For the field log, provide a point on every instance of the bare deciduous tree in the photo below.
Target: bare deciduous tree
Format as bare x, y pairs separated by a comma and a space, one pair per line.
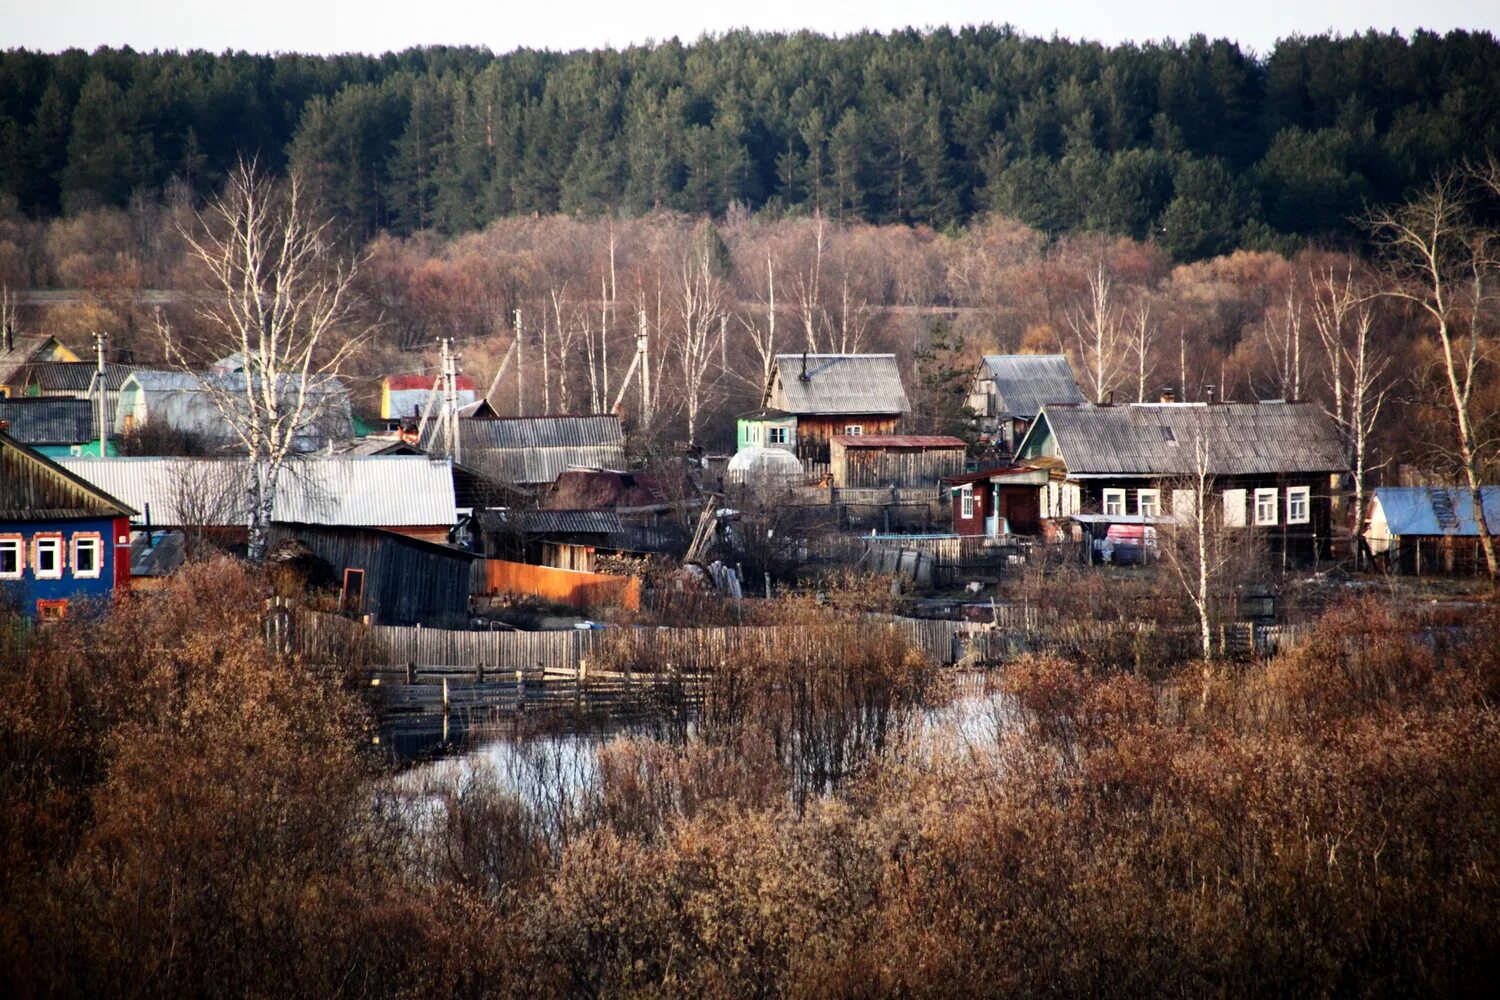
1282, 331
1142, 337
700, 311
1097, 333
278, 291
1441, 259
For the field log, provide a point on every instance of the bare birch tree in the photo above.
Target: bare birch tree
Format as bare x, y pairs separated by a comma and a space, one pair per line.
1356, 374
700, 312
279, 295
1440, 259
1142, 338
807, 296
1282, 331
1201, 549
1097, 332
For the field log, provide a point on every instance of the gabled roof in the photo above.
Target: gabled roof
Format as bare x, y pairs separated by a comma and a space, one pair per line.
24, 349
1437, 510
72, 376
35, 488
1024, 383
533, 450
838, 383
398, 383
365, 491
52, 421
1157, 439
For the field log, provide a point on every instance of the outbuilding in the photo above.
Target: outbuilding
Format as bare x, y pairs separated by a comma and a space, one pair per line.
1429, 529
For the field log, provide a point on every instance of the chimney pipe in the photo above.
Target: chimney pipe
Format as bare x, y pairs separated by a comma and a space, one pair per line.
803, 376
1168, 394
1210, 391
1109, 398
10, 336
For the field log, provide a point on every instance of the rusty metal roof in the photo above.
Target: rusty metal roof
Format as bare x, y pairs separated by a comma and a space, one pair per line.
1158, 439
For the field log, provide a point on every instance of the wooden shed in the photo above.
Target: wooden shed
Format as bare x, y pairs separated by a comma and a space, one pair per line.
902, 460
395, 579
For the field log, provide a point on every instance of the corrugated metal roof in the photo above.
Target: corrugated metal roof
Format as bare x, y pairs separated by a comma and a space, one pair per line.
423, 382
186, 402
33, 487
1157, 439
899, 441
23, 348
533, 450
362, 491
838, 383
551, 522
49, 421
72, 376
1437, 510
1024, 383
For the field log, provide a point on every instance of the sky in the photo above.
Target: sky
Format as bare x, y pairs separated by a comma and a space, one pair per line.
317, 26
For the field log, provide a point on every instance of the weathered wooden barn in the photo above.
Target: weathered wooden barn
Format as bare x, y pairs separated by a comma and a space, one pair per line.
836, 394
995, 502
1009, 390
395, 579
1278, 468
873, 460
61, 538
1429, 529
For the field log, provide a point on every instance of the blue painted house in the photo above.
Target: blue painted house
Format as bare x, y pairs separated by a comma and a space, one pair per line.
62, 540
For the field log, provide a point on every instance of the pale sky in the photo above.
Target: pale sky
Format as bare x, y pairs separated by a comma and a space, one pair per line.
318, 26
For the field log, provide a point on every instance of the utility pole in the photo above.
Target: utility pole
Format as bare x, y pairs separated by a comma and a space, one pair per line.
100, 339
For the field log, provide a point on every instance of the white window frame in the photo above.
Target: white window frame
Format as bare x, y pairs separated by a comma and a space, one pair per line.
1112, 498
16, 544
776, 435
1267, 500
1303, 494
854, 430
1145, 499
966, 501
59, 551
95, 541
1234, 508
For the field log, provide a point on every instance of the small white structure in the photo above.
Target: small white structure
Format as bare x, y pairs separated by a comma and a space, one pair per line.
763, 468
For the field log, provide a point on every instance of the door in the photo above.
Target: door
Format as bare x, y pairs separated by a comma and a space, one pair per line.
352, 600
1024, 510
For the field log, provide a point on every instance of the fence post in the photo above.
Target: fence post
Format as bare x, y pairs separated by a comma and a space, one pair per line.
445, 696
411, 673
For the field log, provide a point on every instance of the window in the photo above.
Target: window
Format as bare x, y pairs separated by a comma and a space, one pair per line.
1114, 501
1148, 502
88, 556
776, 435
854, 430
966, 501
1184, 504
12, 557
51, 611
47, 557
1265, 506
1298, 505
1234, 508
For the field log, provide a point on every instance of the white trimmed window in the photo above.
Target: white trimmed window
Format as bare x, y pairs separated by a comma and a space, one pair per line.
1148, 502
854, 430
88, 556
1114, 502
47, 557
1298, 505
1265, 506
12, 557
1234, 508
966, 501
776, 435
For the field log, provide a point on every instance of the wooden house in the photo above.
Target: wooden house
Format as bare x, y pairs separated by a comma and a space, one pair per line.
55, 427
1009, 390
836, 394
1001, 501
1278, 468
767, 427
188, 403
18, 351
1429, 529
901, 460
62, 539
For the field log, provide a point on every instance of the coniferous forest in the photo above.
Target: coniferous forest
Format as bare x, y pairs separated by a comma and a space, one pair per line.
1202, 146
